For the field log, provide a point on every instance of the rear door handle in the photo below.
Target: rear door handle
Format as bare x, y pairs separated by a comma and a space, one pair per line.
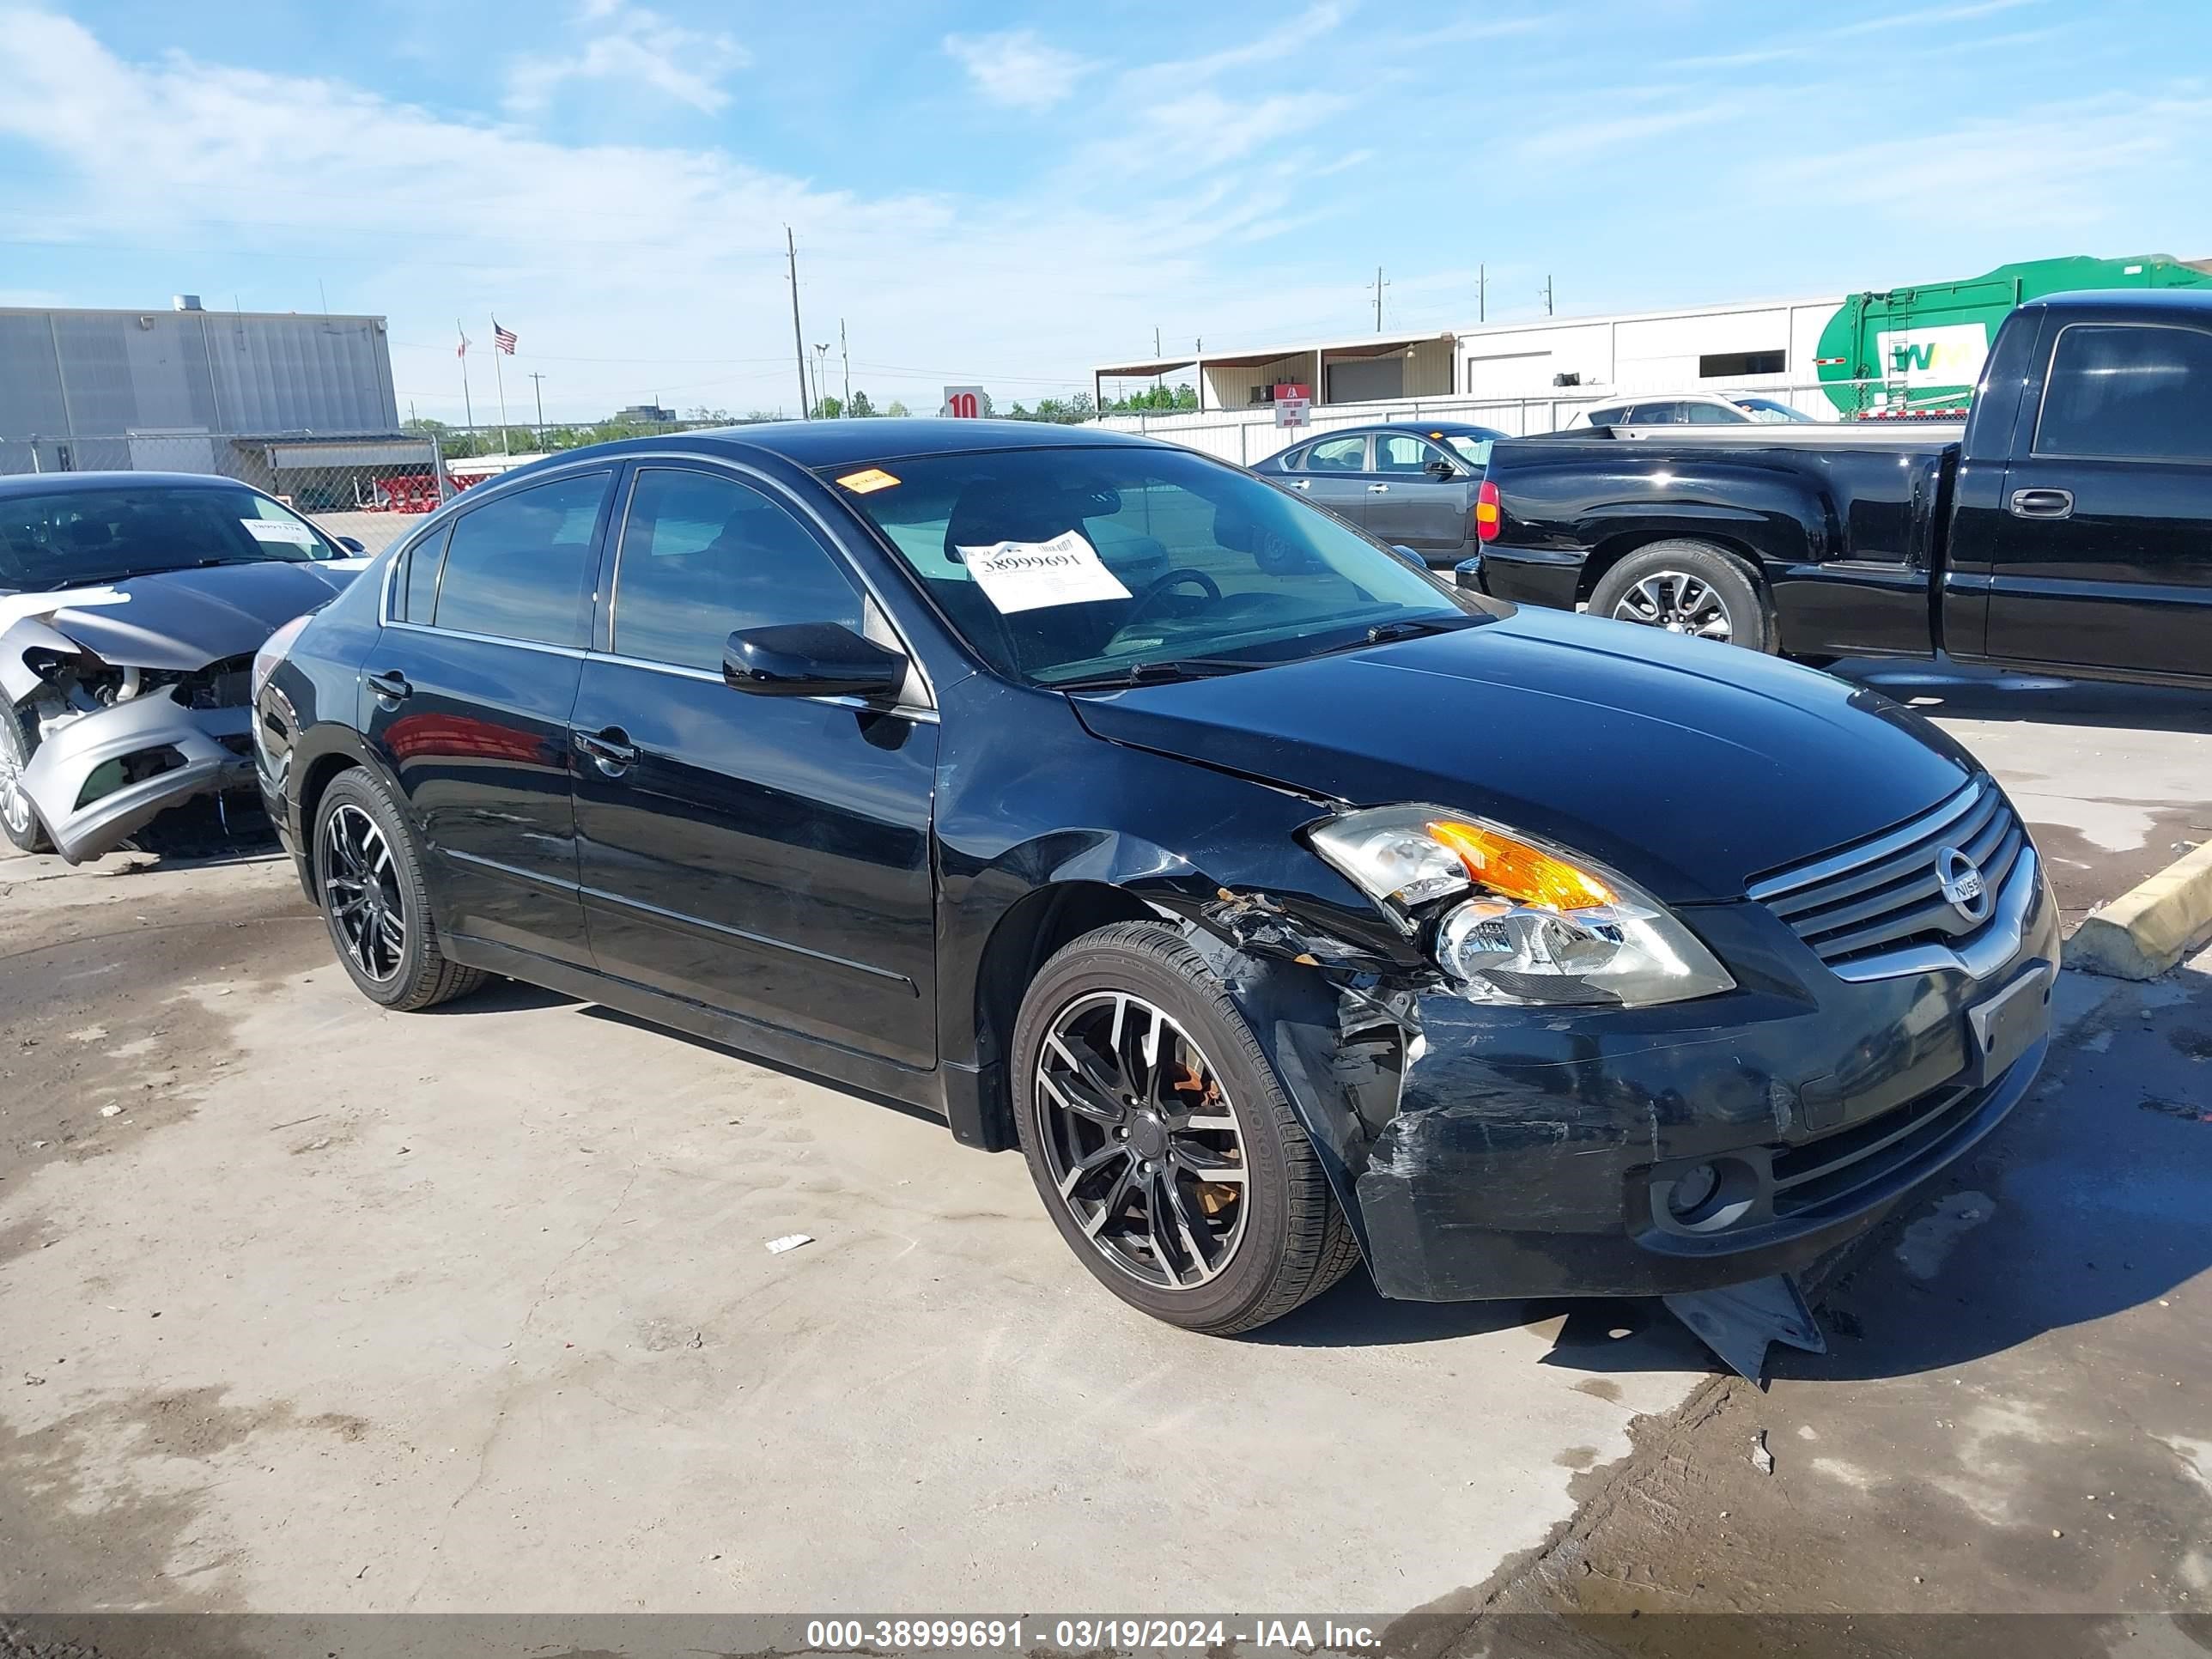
610, 748
1302, 483
391, 686
2043, 503
1378, 489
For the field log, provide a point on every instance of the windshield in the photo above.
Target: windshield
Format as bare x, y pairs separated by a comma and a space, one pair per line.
1067, 565
1767, 410
68, 538
1474, 451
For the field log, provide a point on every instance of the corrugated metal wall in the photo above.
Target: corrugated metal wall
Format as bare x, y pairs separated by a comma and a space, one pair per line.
98, 374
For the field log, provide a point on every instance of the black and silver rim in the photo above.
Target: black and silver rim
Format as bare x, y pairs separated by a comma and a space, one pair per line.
1141, 1141
1678, 602
361, 892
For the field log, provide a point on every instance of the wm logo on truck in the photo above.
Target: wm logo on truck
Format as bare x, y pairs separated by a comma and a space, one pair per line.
1950, 355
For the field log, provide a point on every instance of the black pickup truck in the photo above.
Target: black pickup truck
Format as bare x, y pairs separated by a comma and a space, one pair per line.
2070, 530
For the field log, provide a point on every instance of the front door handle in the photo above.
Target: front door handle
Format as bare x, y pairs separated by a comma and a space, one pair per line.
610, 748
391, 687
2043, 503
1378, 489
1302, 483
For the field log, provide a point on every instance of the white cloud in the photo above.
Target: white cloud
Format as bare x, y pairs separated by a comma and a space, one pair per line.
672, 283
1926, 17
631, 44
1016, 69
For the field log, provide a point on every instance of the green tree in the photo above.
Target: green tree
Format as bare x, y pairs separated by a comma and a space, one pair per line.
897, 410
861, 409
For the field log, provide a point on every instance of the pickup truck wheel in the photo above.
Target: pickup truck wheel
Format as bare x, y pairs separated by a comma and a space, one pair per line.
1688, 587
1163, 1148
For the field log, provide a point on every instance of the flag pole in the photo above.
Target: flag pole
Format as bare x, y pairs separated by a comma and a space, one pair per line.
500, 379
468, 405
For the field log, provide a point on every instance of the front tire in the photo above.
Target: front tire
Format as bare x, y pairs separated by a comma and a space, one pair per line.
18, 819
368, 880
1688, 587
1164, 1148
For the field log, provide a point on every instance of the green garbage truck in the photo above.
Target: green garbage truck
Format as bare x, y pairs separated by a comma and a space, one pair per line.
1916, 353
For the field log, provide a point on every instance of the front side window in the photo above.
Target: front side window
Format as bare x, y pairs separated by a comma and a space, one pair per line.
1063, 567
1715, 415
1337, 455
1768, 411
1668, 414
73, 538
519, 568
1399, 452
2130, 393
703, 555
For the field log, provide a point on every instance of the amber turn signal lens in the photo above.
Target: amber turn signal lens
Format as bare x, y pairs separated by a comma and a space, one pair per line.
1513, 869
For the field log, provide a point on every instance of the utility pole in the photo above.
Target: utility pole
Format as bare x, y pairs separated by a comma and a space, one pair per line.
1482, 293
798, 339
536, 382
1547, 293
845, 354
1379, 286
820, 352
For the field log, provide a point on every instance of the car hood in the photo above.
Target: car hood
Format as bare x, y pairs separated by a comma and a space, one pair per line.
1686, 765
185, 619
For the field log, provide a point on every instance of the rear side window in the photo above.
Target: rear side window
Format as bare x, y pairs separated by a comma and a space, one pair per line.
518, 568
1337, 455
703, 555
1398, 453
2128, 393
421, 592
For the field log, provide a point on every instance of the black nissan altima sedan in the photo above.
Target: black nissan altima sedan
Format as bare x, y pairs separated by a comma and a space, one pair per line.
1285, 907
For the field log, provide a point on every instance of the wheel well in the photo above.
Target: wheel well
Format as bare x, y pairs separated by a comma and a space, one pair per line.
1610, 552
319, 776
1035, 927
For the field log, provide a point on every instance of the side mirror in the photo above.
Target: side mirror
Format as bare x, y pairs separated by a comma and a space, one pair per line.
1442, 470
1410, 556
810, 660
1467, 575
351, 543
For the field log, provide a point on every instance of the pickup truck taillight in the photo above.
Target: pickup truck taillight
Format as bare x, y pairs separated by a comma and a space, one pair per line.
1486, 512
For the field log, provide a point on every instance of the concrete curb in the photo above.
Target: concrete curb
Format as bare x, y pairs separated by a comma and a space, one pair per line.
2152, 925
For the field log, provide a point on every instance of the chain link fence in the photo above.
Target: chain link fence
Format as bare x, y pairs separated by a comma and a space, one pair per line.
1246, 436
371, 488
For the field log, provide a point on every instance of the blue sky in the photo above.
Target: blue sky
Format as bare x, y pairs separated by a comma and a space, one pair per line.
1008, 194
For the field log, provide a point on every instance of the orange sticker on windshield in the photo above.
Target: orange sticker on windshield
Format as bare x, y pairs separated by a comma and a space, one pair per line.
871, 478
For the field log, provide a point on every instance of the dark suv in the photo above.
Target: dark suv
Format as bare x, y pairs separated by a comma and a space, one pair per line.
1283, 905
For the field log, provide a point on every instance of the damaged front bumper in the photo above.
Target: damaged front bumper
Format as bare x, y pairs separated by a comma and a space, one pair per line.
99, 778
1485, 1151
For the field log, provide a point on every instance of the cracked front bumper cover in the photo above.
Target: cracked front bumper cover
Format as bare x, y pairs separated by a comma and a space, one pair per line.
64, 764
1534, 1149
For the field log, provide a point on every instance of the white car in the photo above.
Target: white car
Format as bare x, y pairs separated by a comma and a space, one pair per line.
1690, 409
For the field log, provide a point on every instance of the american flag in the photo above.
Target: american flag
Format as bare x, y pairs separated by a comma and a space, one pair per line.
462, 349
502, 337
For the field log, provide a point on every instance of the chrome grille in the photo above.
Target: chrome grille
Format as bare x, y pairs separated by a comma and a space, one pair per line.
1881, 893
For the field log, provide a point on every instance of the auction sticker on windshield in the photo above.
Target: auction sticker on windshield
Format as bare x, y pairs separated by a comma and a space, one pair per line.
279, 530
1031, 575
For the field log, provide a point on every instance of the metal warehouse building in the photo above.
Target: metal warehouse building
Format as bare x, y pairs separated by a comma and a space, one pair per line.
246, 394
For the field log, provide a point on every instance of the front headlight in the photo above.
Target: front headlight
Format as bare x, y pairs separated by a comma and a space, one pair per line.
1512, 920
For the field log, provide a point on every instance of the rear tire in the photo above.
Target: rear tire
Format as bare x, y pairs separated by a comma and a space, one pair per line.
1227, 1253
369, 881
1688, 587
18, 819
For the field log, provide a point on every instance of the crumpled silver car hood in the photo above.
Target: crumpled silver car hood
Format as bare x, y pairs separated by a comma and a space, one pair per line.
98, 771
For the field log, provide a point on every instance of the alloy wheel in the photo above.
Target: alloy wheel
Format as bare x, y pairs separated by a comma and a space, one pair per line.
1678, 602
1141, 1140
14, 800
361, 892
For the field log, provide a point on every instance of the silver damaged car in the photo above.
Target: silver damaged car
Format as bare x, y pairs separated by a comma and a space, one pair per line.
130, 606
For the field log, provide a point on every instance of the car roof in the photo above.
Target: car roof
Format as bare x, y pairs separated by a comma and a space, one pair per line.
40, 483
1427, 428
2195, 300
817, 444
